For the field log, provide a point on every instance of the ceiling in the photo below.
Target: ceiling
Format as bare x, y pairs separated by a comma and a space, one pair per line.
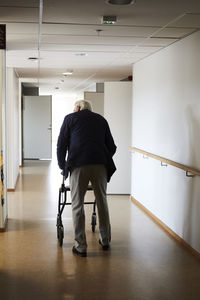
68, 34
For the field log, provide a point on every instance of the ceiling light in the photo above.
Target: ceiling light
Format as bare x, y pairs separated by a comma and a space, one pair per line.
81, 54
33, 58
120, 2
68, 72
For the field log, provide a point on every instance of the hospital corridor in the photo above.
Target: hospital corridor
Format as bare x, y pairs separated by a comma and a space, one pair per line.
106, 91
144, 263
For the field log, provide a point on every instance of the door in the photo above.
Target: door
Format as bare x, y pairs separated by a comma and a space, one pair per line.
37, 131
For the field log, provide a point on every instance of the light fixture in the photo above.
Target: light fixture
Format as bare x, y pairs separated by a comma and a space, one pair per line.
81, 54
33, 58
120, 2
68, 72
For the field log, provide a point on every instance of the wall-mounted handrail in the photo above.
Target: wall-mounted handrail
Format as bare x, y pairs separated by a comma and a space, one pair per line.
167, 161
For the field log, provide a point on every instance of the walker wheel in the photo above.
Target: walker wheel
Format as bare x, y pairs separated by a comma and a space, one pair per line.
57, 225
93, 222
60, 233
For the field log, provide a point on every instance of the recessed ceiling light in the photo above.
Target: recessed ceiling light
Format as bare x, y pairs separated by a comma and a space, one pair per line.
68, 72
120, 2
81, 54
33, 58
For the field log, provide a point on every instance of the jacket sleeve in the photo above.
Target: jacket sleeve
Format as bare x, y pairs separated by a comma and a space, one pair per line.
63, 144
110, 142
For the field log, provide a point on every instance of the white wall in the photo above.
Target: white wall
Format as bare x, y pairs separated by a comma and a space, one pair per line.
1, 88
97, 101
166, 102
61, 106
3, 208
166, 122
117, 111
12, 124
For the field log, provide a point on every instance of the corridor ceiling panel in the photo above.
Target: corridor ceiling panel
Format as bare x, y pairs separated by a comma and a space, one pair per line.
69, 34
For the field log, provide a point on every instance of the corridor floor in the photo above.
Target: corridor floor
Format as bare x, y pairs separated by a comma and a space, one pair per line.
144, 263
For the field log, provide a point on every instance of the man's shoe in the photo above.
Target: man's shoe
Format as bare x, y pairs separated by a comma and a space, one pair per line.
75, 251
104, 247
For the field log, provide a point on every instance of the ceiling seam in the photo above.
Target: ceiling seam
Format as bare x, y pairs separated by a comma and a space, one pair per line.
121, 56
39, 36
35, 7
94, 35
99, 44
80, 24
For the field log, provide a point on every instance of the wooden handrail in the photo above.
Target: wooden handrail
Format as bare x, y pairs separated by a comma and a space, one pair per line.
167, 161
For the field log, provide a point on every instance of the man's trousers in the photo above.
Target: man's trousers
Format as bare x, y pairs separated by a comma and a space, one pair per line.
79, 180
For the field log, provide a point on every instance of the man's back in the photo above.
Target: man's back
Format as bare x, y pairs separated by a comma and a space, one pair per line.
88, 139
86, 126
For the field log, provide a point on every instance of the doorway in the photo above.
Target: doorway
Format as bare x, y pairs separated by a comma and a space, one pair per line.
37, 127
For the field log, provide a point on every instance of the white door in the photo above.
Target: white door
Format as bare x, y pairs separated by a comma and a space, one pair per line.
37, 131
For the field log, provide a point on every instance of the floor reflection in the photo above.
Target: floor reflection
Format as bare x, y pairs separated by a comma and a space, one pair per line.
143, 263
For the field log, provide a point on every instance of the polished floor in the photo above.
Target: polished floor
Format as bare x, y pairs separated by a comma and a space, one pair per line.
144, 263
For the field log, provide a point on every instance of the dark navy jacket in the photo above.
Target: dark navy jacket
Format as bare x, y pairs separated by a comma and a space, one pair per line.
87, 139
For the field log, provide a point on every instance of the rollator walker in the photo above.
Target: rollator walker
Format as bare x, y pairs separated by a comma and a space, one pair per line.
62, 201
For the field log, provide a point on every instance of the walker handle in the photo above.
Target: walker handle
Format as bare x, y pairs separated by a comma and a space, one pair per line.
62, 173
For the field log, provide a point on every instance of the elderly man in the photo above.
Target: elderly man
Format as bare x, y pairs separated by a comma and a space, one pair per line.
87, 139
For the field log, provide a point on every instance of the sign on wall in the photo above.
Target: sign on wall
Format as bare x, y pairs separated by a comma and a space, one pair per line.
2, 36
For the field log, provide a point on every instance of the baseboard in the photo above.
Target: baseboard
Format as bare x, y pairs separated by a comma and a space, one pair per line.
166, 228
12, 190
5, 225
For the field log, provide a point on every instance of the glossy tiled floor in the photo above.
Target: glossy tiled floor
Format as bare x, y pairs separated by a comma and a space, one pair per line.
143, 264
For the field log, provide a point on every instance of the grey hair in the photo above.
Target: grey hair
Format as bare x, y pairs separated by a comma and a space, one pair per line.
83, 104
